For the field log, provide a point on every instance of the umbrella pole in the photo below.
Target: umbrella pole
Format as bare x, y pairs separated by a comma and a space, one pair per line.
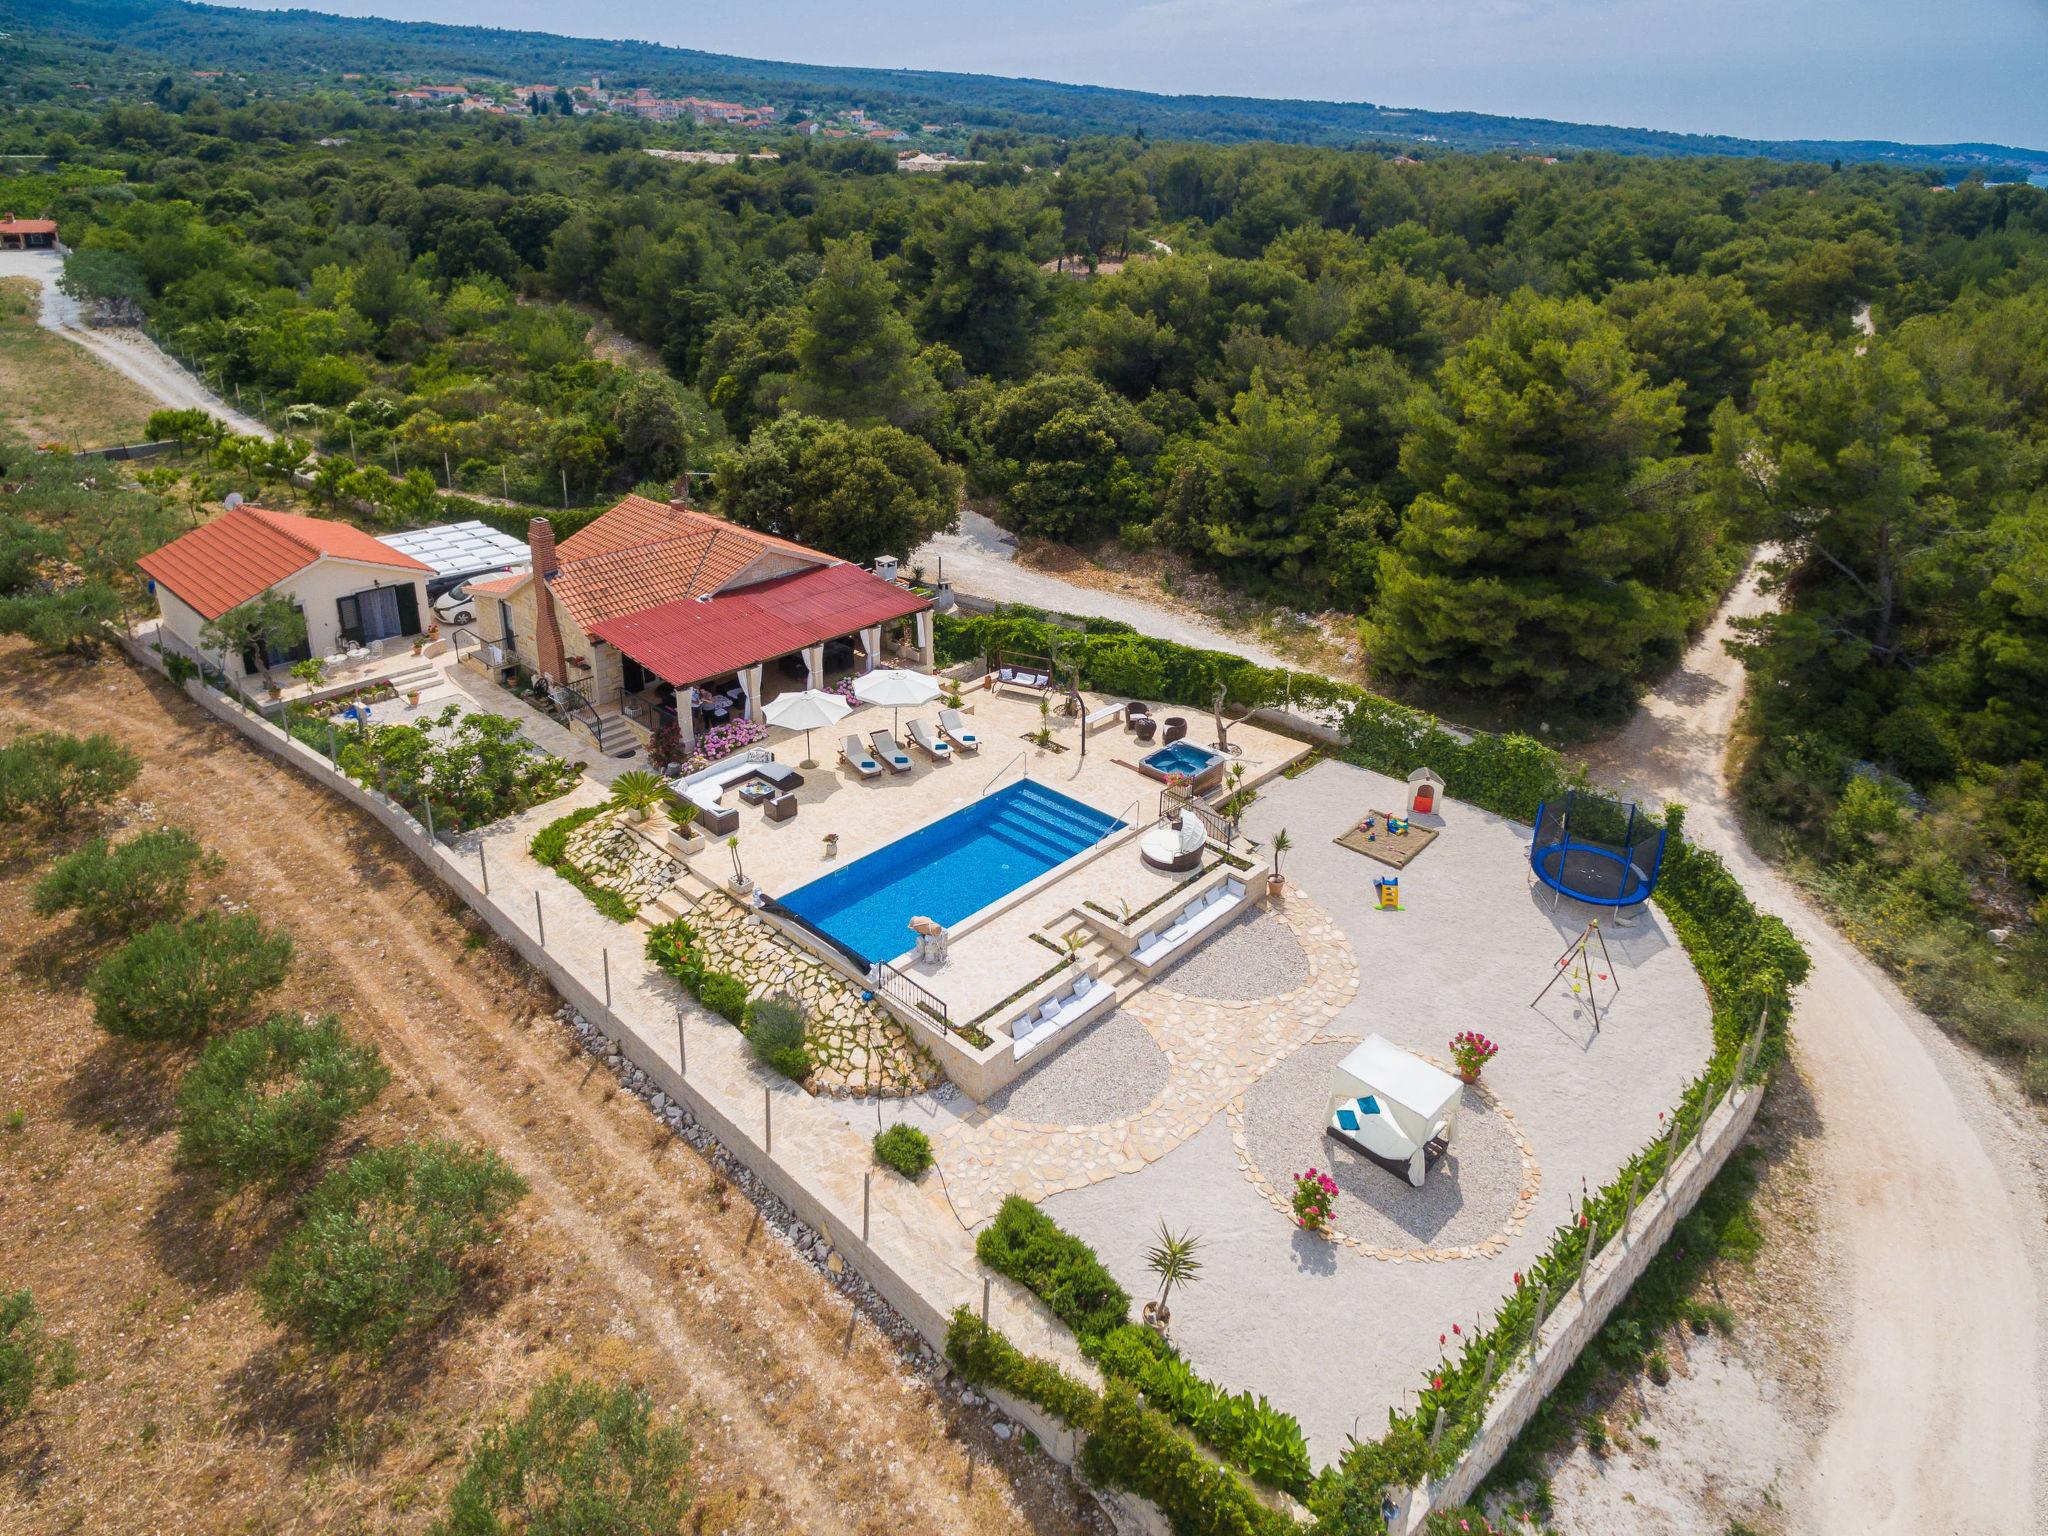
809, 761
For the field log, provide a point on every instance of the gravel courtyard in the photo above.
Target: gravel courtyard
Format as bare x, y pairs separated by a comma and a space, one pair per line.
1338, 1331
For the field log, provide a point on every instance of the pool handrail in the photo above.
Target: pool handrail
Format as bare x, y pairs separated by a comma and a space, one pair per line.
1013, 762
1122, 823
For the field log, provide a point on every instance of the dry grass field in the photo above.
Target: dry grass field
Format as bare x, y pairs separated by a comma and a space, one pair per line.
53, 391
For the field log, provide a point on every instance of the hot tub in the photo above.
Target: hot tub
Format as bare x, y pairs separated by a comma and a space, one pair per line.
1201, 767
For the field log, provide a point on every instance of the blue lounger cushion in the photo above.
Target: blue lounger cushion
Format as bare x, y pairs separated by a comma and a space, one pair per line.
1346, 1120
1347, 1114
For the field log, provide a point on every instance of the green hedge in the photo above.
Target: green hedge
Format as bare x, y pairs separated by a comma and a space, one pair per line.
1134, 1447
1510, 775
987, 1359
725, 995
1128, 1445
1056, 1267
550, 846
1064, 1272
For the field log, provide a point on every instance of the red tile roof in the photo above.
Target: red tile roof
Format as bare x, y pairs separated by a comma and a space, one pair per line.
688, 641
498, 586
642, 554
249, 549
13, 226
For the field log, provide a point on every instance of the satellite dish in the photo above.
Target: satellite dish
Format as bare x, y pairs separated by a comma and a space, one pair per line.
232, 500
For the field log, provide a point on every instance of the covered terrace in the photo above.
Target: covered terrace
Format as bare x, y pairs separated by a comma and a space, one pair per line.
702, 661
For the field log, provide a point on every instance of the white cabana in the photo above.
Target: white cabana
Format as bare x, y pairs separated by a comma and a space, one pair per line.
1392, 1104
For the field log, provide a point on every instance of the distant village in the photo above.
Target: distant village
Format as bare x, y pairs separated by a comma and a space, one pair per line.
642, 102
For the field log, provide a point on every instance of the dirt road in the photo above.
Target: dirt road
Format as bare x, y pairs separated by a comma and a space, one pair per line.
128, 352
1933, 1181
981, 561
805, 1416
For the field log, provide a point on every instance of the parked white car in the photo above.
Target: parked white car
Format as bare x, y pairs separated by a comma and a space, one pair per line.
456, 606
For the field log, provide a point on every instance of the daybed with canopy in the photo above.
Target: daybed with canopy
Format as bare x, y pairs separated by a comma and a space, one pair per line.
1391, 1105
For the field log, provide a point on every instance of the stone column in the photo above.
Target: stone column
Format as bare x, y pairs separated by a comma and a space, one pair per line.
750, 684
814, 665
871, 642
686, 718
925, 650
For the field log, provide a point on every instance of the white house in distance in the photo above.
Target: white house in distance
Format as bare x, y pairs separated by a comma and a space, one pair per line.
350, 586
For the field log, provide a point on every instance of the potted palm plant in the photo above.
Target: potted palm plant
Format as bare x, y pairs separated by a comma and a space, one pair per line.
683, 835
1280, 844
741, 882
639, 792
1173, 1260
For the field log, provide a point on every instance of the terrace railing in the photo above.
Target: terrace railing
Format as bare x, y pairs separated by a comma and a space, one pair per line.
905, 992
1222, 828
1123, 823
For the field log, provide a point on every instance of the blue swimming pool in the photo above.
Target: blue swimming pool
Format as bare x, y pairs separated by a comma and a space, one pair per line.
950, 869
1182, 757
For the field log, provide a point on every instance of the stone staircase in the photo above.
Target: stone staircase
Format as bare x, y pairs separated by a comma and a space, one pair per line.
615, 738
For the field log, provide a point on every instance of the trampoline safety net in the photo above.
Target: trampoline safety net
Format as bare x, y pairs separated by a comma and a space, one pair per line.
1597, 850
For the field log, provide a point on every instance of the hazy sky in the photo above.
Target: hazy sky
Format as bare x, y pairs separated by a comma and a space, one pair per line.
1922, 70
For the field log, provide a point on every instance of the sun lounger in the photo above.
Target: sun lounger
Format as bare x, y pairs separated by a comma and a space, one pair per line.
893, 757
921, 735
954, 724
858, 758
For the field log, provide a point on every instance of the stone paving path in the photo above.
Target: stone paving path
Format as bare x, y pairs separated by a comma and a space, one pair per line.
860, 1049
1214, 1048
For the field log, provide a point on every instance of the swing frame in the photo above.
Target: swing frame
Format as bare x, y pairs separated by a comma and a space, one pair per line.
1576, 952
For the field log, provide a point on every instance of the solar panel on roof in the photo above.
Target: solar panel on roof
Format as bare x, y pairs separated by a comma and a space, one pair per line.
454, 548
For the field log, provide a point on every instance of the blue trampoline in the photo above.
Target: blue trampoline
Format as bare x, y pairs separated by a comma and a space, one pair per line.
1597, 850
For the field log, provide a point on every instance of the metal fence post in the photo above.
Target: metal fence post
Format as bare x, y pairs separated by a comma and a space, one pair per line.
867, 1190
1542, 1312
985, 1284
682, 1045
428, 806
606, 954
1628, 1211
540, 927
1436, 1431
484, 868
768, 1121
380, 779
1586, 1255
1671, 1143
333, 752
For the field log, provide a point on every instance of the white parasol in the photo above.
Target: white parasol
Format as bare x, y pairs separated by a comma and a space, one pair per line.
895, 688
810, 710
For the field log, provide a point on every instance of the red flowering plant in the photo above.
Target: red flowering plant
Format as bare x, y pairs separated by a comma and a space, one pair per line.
1472, 1051
1315, 1200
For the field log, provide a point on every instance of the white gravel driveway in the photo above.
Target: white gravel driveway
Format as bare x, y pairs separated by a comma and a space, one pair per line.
128, 352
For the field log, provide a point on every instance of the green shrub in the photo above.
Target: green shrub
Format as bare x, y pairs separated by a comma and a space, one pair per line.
1135, 1448
263, 1104
120, 888
58, 778
775, 1029
1242, 1428
29, 1358
725, 995
987, 1359
904, 1148
673, 947
580, 1459
384, 1242
475, 768
1059, 1269
179, 980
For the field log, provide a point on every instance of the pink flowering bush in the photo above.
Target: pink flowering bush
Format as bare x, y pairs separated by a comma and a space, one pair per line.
1315, 1200
1472, 1051
733, 736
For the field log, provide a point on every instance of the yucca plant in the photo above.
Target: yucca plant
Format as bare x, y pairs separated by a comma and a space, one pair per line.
1173, 1260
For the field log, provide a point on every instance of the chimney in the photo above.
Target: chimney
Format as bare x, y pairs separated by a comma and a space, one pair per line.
547, 638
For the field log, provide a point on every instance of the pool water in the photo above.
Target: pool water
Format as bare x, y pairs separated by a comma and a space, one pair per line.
1182, 757
949, 870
